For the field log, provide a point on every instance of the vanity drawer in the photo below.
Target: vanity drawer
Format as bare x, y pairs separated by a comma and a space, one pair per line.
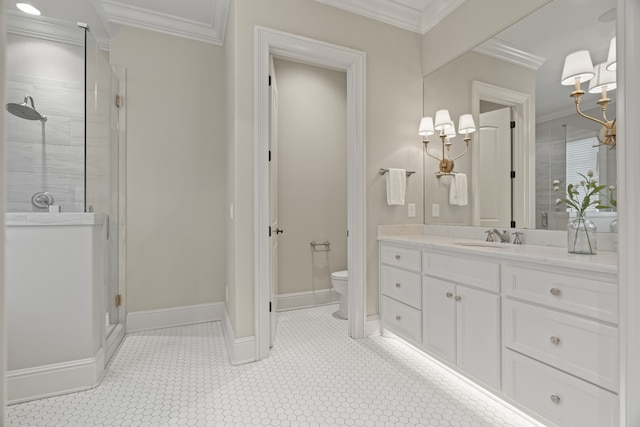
469, 271
406, 258
402, 319
401, 285
582, 347
578, 295
561, 398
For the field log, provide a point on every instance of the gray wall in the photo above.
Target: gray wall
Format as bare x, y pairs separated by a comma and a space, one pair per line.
175, 169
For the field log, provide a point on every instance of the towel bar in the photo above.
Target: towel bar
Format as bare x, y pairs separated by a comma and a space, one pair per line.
326, 246
383, 171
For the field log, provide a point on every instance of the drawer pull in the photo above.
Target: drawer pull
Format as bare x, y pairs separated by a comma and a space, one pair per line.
555, 291
398, 317
457, 298
555, 399
398, 257
449, 294
397, 285
554, 340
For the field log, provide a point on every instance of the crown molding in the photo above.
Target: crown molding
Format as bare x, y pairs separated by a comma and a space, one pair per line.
208, 32
49, 29
395, 14
510, 53
436, 12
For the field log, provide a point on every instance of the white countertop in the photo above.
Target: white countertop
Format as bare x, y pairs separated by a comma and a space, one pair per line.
603, 262
16, 219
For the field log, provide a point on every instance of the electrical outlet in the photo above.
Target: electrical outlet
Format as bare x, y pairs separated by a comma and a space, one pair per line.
412, 210
435, 210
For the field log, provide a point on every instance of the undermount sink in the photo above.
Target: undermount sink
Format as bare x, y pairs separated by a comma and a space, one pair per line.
494, 245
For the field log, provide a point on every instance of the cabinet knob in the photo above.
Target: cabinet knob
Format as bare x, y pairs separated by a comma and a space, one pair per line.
397, 256
554, 340
397, 285
398, 317
555, 399
555, 291
457, 298
449, 294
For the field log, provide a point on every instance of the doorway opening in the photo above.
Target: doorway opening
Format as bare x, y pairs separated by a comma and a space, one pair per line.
269, 42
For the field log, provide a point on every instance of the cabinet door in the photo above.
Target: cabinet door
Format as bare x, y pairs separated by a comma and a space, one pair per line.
439, 318
478, 337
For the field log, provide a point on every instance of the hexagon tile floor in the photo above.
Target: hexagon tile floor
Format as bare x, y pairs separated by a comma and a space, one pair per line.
316, 375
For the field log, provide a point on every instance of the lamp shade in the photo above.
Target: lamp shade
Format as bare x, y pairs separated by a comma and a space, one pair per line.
426, 126
612, 64
450, 131
466, 124
443, 120
577, 65
604, 79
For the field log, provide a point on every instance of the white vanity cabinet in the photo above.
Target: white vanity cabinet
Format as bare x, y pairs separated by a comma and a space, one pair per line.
561, 343
400, 292
533, 324
461, 318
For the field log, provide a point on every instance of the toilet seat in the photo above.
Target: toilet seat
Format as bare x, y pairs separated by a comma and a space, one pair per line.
340, 275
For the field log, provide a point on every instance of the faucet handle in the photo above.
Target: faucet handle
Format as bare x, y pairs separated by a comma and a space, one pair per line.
489, 235
516, 239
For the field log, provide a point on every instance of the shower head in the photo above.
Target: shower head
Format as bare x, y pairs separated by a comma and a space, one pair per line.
25, 111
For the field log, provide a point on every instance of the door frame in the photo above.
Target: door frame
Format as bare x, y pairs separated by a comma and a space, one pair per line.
314, 52
524, 151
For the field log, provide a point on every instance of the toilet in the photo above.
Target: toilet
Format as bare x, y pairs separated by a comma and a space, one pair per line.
339, 282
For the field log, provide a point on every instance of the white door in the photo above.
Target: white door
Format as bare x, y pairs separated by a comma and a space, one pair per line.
273, 199
439, 318
478, 339
494, 169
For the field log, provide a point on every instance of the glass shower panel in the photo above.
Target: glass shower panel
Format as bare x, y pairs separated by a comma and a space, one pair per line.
550, 165
102, 169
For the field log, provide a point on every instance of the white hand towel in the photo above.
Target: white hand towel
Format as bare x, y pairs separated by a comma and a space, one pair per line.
396, 186
458, 191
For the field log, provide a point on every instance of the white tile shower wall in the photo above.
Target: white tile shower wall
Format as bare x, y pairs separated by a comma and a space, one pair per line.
50, 156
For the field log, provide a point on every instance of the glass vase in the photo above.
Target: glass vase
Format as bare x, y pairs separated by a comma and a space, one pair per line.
581, 236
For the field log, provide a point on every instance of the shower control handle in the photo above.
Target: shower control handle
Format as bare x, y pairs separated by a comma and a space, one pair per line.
398, 285
279, 231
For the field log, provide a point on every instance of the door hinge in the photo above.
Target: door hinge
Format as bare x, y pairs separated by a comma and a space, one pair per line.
513, 125
513, 174
269, 80
269, 231
269, 306
269, 155
118, 101
513, 224
118, 300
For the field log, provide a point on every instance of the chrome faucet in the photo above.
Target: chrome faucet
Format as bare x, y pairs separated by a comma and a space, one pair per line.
504, 236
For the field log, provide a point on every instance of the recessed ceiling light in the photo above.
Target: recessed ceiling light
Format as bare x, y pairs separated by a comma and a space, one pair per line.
27, 8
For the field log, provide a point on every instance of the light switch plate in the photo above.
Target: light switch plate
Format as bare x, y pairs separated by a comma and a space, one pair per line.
412, 210
435, 210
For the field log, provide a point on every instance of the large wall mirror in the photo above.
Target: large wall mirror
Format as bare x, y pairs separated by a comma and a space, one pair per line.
512, 80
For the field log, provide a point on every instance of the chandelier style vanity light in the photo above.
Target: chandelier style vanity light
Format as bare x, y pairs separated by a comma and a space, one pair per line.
444, 125
578, 68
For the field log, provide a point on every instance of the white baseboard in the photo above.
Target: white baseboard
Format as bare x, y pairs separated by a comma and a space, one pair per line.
306, 299
52, 380
177, 316
372, 326
241, 350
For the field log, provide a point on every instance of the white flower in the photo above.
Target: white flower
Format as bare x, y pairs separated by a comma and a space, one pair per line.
590, 173
558, 201
556, 188
612, 188
556, 182
583, 182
